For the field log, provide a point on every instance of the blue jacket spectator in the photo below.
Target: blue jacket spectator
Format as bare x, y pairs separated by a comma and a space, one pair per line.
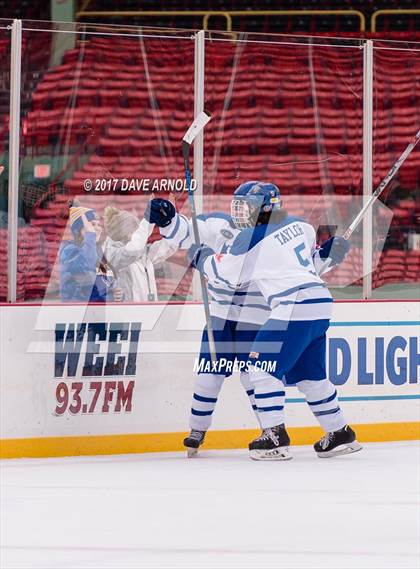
83, 277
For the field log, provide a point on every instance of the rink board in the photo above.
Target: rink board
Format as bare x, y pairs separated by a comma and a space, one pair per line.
118, 379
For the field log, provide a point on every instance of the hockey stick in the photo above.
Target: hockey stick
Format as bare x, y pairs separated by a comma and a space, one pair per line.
381, 187
197, 126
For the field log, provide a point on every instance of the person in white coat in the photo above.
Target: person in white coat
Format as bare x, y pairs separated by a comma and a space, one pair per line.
131, 257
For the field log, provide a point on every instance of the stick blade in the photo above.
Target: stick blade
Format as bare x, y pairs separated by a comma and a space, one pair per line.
197, 126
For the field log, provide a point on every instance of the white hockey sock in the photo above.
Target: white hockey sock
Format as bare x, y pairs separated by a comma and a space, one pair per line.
269, 398
247, 385
322, 399
206, 390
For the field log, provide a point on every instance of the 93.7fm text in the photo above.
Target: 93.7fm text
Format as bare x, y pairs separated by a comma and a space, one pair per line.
100, 396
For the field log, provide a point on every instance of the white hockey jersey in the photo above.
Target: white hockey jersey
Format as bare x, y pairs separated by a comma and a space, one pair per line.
282, 262
240, 304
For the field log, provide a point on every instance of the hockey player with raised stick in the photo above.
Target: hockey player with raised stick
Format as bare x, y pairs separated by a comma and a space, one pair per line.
276, 254
236, 317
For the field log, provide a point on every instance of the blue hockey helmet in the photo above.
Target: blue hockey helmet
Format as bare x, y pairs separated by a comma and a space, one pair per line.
251, 199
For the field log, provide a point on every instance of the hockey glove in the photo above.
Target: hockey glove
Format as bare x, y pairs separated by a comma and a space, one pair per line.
197, 254
160, 212
335, 249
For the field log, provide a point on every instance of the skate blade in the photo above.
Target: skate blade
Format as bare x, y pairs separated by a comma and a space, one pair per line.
192, 452
281, 453
341, 450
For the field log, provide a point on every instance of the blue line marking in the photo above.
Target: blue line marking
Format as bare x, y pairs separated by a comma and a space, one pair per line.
362, 398
384, 323
378, 397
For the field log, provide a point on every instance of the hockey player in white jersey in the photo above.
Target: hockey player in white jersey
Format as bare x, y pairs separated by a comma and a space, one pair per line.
237, 316
277, 254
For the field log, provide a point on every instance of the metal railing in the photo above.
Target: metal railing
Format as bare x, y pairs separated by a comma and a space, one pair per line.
228, 15
379, 13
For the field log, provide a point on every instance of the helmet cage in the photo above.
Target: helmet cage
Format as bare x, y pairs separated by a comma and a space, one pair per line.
245, 210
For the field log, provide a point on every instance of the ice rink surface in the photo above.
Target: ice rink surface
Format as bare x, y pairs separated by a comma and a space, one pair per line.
221, 510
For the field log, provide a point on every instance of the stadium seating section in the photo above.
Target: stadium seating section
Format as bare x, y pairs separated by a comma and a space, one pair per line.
37, 10
108, 111
266, 24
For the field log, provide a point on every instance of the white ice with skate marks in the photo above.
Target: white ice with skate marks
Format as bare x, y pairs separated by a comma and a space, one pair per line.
219, 510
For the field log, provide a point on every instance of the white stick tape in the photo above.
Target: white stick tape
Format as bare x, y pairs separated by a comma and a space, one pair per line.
197, 126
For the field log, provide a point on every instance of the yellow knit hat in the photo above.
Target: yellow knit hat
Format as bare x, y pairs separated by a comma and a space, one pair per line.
76, 213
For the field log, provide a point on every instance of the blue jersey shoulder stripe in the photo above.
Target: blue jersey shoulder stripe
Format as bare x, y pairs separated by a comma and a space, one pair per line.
175, 229
248, 238
184, 238
217, 215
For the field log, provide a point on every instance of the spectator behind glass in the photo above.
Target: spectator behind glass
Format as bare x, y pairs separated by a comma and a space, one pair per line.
131, 256
84, 275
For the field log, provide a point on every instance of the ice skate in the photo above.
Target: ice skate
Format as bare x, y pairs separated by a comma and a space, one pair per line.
337, 443
194, 440
272, 444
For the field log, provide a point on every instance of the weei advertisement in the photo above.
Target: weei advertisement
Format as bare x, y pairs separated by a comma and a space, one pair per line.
84, 373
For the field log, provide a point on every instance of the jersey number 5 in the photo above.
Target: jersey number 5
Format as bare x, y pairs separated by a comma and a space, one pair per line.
304, 262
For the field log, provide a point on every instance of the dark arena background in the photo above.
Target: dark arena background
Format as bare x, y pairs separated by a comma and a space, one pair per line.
100, 336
